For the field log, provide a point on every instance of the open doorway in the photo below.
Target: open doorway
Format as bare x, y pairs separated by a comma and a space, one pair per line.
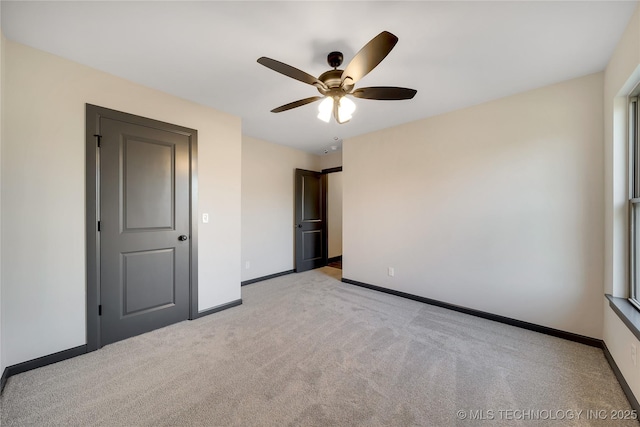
334, 217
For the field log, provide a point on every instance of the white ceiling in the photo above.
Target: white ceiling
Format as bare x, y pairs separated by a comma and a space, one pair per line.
456, 54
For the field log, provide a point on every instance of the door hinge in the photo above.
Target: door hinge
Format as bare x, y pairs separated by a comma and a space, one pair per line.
98, 138
100, 310
98, 225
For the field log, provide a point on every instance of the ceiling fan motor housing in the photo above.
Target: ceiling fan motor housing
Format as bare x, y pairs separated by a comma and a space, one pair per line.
333, 80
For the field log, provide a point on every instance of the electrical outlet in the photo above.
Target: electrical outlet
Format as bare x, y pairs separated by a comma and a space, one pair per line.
247, 265
392, 271
634, 354
205, 218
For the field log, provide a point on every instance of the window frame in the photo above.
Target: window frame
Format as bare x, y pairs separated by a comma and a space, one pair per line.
634, 196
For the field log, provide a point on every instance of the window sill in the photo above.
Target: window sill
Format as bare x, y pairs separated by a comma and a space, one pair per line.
627, 313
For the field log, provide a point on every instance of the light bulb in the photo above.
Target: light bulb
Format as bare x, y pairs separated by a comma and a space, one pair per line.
325, 108
346, 107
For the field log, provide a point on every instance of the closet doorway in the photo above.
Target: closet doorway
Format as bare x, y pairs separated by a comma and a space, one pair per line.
334, 216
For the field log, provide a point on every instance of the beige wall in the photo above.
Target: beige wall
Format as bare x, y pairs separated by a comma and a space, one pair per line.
497, 207
268, 205
331, 160
43, 202
621, 75
2, 348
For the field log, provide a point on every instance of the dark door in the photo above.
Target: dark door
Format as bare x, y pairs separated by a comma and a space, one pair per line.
310, 226
144, 229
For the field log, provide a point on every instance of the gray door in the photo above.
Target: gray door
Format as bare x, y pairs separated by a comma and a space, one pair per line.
144, 229
310, 250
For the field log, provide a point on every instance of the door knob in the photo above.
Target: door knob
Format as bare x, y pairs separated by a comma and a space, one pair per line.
299, 225
183, 238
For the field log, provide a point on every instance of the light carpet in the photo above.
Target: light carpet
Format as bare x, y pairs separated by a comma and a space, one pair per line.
307, 350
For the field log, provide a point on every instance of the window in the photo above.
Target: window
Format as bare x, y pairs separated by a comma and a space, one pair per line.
634, 199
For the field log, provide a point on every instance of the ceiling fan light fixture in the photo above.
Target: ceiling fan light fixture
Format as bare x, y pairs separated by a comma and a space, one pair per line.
325, 109
346, 108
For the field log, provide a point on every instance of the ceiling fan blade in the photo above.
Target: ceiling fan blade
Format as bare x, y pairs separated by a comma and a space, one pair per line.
290, 71
387, 93
369, 56
295, 104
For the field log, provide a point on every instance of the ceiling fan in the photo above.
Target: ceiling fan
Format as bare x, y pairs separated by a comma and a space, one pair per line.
335, 85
